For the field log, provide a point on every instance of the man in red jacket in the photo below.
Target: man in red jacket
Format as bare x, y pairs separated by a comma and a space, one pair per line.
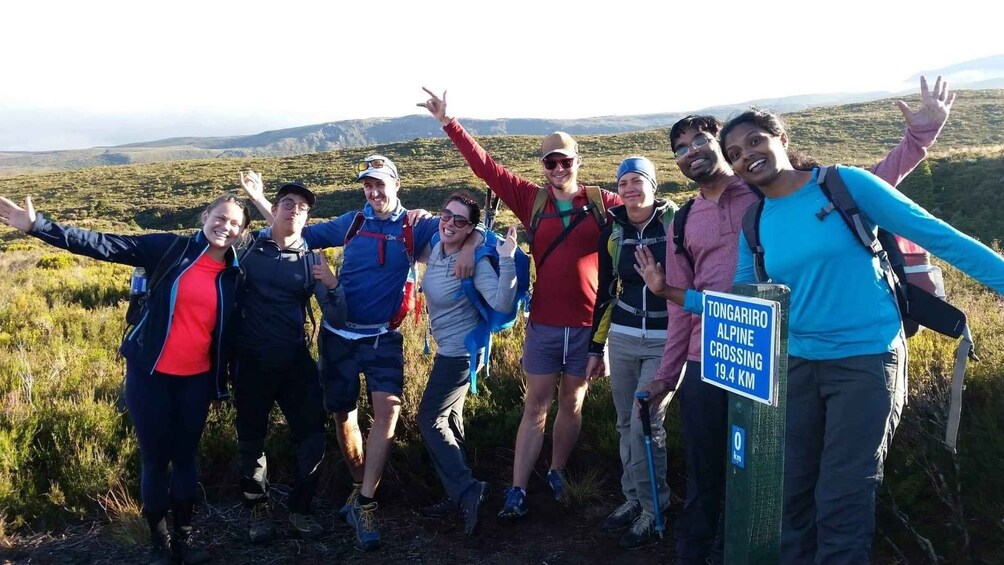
563, 241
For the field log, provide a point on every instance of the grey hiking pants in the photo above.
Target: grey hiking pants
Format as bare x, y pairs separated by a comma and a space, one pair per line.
633, 363
841, 416
441, 421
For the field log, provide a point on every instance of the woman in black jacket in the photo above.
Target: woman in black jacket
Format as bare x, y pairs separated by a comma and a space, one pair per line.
174, 354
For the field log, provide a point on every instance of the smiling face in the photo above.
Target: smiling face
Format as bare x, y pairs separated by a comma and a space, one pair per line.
703, 158
756, 155
223, 224
562, 177
452, 235
635, 190
381, 194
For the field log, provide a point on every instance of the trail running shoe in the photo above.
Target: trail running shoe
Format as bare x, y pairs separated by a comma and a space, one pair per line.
472, 507
363, 518
640, 534
557, 479
305, 525
623, 516
441, 509
515, 504
344, 510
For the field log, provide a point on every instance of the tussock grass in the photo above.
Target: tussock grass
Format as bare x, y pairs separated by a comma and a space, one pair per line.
126, 523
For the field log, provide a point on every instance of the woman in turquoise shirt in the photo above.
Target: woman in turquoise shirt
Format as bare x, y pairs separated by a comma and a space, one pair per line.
847, 355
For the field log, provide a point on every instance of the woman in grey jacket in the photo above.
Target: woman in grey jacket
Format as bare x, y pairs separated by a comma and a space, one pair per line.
451, 317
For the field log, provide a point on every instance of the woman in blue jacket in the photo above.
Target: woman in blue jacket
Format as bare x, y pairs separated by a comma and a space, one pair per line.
847, 355
174, 354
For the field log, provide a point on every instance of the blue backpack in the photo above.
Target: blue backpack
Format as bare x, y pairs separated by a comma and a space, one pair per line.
480, 338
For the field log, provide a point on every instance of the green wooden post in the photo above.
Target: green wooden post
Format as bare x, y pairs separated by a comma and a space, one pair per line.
753, 494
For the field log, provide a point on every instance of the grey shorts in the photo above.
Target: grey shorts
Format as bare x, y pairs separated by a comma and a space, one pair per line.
552, 349
380, 358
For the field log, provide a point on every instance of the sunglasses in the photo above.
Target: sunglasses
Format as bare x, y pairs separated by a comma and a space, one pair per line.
458, 220
289, 204
371, 164
566, 163
699, 141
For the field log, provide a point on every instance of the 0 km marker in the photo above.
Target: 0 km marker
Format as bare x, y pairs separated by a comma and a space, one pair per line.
739, 345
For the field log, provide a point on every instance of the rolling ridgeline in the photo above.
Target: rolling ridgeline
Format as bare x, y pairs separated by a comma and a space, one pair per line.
64, 444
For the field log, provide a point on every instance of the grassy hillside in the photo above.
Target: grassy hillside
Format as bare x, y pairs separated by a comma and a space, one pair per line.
63, 443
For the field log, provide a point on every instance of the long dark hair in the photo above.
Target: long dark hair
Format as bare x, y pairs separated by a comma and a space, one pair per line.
771, 123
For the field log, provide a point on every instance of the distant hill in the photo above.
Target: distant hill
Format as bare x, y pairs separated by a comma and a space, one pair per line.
987, 73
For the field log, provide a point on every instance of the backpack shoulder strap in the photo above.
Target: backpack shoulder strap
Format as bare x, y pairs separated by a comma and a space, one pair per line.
594, 195
408, 235
843, 203
170, 258
751, 231
679, 230
357, 222
539, 201
614, 244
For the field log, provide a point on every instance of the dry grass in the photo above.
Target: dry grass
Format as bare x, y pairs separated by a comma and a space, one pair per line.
126, 523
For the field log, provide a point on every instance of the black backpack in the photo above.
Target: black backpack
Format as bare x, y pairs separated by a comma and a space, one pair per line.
917, 307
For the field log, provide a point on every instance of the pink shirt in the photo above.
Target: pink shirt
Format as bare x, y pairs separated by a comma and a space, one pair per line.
711, 236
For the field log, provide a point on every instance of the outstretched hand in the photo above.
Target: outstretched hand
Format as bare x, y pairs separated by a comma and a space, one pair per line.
507, 247
252, 184
935, 105
16, 216
436, 106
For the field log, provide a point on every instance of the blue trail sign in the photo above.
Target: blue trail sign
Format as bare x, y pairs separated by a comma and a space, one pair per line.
739, 345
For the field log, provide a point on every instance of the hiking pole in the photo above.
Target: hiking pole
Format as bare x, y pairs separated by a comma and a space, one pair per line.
646, 427
491, 208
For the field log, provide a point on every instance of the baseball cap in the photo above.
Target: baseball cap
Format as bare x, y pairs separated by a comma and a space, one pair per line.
296, 187
640, 165
559, 142
378, 167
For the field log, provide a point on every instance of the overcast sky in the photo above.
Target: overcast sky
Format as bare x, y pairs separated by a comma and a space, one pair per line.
80, 74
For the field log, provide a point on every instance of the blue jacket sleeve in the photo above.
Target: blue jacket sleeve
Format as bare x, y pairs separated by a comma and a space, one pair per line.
136, 250
892, 210
330, 233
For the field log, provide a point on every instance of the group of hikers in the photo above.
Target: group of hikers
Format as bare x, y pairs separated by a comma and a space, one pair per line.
610, 275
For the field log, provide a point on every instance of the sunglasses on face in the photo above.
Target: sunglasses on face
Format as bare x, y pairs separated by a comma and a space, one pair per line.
697, 143
289, 204
566, 163
458, 221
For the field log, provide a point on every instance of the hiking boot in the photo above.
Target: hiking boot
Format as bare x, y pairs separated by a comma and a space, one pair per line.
623, 516
640, 534
515, 504
185, 549
261, 527
441, 509
472, 506
344, 510
305, 525
363, 519
557, 479
159, 552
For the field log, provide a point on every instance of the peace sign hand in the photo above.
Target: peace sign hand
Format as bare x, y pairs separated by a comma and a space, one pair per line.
436, 106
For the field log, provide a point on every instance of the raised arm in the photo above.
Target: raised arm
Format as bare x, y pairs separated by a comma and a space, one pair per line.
255, 189
922, 128
141, 251
499, 289
517, 193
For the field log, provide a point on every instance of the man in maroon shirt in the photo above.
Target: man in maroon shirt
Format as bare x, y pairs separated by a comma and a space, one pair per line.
564, 248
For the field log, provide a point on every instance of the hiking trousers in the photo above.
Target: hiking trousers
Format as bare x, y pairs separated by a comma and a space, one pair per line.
704, 418
441, 421
841, 416
169, 414
295, 386
633, 363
